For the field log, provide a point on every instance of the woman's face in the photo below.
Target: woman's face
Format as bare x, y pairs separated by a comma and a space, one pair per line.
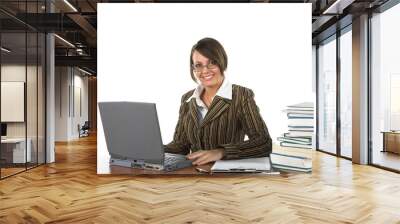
209, 75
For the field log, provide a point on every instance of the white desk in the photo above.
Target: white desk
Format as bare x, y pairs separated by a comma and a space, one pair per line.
18, 149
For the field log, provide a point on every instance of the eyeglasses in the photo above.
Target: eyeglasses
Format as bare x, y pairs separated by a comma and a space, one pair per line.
199, 67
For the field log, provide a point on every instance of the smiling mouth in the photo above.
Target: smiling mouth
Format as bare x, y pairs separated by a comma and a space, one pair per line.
207, 77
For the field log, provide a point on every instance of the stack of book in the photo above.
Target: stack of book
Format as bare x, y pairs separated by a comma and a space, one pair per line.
290, 162
300, 126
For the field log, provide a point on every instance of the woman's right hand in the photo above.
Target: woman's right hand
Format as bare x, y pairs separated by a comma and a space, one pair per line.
202, 157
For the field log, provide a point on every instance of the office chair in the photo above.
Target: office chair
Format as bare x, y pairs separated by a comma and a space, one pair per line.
84, 130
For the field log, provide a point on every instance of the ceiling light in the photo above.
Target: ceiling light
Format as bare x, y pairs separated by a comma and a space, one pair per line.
338, 6
5, 50
65, 41
70, 5
84, 71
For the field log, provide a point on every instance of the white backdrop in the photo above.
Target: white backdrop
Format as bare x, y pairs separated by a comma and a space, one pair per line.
144, 49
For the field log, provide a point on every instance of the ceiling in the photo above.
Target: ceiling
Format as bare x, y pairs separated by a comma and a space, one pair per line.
76, 22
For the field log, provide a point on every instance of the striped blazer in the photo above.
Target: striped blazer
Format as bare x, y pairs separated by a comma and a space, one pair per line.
224, 127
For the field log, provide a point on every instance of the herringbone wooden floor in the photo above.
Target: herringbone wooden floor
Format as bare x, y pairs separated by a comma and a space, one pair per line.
69, 191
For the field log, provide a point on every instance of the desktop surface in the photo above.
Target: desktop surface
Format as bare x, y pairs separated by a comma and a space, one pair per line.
188, 171
104, 167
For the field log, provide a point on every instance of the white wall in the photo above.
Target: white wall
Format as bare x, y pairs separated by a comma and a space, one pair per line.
61, 103
80, 84
68, 83
15, 72
267, 52
149, 62
33, 127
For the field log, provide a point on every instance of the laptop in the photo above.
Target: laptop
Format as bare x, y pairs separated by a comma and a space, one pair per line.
133, 137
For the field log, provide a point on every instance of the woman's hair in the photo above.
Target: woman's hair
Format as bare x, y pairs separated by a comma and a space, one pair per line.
211, 49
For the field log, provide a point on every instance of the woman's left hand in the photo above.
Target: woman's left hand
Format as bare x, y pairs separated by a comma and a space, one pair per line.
205, 156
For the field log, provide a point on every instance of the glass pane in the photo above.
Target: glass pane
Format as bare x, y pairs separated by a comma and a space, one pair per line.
13, 86
386, 89
41, 98
346, 94
31, 101
327, 96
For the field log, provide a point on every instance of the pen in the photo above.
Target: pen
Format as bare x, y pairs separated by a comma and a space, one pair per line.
244, 170
202, 170
272, 173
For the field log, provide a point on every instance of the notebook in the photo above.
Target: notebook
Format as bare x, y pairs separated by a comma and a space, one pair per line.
242, 165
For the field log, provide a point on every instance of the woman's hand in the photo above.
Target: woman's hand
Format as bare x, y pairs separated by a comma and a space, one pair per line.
205, 156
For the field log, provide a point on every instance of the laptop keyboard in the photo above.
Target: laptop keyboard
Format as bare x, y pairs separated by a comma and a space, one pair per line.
175, 161
171, 159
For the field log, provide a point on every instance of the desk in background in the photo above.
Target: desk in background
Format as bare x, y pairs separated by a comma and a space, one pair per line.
13, 150
391, 141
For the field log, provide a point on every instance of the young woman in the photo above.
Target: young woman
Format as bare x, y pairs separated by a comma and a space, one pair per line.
215, 117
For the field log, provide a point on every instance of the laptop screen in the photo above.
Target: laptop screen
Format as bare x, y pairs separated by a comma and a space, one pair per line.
132, 131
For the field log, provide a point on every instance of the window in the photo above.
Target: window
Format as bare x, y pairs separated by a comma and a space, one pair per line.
385, 86
327, 95
346, 93
22, 66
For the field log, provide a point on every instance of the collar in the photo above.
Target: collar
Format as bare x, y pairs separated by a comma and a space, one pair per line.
224, 91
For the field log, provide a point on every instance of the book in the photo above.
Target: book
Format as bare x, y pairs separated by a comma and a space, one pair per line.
300, 115
296, 145
300, 122
305, 129
289, 162
299, 111
309, 134
308, 105
295, 140
279, 167
300, 126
